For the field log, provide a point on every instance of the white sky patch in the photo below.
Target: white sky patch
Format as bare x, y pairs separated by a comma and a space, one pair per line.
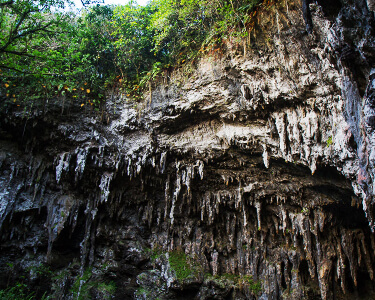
78, 3
122, 2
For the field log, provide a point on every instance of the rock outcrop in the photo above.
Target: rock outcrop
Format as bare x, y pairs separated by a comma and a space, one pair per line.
249, 177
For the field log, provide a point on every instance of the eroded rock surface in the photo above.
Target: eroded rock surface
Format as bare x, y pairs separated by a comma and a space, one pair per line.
250, 177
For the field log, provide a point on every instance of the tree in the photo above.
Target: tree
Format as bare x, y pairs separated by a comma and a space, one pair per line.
41, 52
133, 39
94, 31
25, 28
46, 52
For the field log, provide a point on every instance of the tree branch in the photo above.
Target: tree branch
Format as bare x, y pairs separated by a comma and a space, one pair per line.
23, 34
18, 53
25, 72
6, 3
10, 68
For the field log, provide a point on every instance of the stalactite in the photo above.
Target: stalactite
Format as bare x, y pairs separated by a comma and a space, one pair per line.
239, 199
62, 165
266, 159
104, 186
163, 160
80, 163
166, 196
176, 192
258, 206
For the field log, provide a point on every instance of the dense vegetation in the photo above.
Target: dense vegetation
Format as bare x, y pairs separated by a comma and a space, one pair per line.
48, 52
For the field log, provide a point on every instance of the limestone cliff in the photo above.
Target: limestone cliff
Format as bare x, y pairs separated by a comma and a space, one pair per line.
250, 176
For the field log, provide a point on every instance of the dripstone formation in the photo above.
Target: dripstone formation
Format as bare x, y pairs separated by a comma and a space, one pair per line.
250, 176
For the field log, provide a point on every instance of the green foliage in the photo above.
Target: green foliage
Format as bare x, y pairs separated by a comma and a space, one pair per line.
22, 288
180, 264
23, 25
239, 281
40, 270
17, 292
143, 292
329, 141
188, 25
155, 253
133, 39
254, 286
32, 37
106, 290
184, 266
43, 60
84, 284
47, 53
81, 286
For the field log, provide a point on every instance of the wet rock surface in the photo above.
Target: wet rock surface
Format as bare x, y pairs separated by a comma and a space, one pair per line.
249, 178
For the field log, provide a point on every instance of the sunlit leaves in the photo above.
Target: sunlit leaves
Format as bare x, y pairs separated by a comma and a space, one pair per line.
48, 53
133, 38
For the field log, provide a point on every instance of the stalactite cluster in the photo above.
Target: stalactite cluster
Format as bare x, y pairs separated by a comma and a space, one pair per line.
251, 178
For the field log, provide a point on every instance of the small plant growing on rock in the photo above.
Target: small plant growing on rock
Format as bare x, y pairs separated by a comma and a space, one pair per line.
81, 287
142, 293
106, 289
180, 264
155, 253
85, 285
16, 292
241, 282
329, 141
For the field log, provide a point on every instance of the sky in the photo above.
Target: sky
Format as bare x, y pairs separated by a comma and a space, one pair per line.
140, 2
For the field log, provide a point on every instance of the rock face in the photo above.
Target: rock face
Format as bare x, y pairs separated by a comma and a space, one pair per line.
250, 177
